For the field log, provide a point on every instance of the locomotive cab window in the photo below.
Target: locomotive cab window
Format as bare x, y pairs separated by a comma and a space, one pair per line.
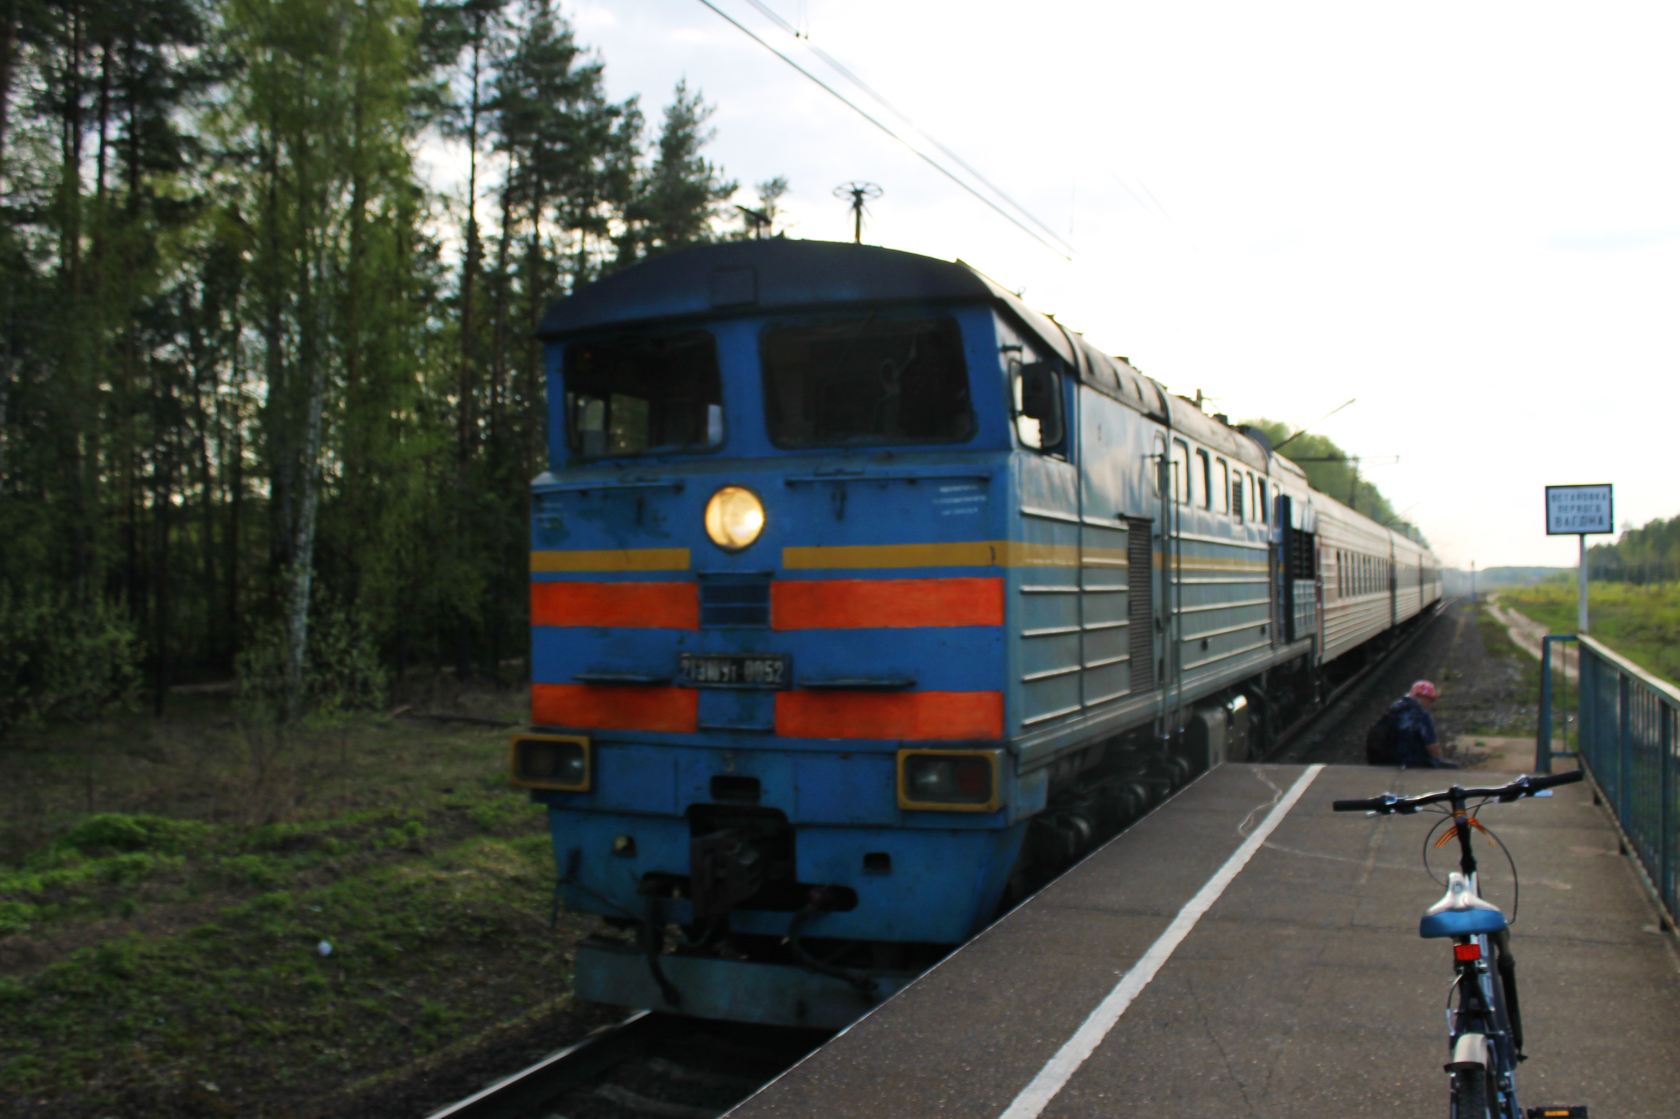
866, 381
643, 395
1036, 396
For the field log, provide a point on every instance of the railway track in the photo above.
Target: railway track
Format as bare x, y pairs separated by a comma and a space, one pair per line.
650, 1066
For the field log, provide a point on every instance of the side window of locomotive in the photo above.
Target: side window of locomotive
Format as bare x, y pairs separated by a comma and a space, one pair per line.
864, 381
1181, 472
1159, 467
1222, 488
643, 395
1261, 505
1036, 398
1203, 475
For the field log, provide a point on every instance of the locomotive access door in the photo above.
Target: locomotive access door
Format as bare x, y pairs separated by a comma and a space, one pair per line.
1117, 608
1105, 574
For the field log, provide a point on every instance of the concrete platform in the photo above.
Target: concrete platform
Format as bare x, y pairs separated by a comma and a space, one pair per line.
1492, 755
1303, 990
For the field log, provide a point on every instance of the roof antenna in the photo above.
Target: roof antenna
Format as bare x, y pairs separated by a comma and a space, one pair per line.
757, 220
858, 193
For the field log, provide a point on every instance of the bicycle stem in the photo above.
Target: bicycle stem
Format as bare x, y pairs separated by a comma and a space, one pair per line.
1461, 822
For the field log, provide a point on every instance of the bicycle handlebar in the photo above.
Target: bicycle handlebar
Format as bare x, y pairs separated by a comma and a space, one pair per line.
1388, 803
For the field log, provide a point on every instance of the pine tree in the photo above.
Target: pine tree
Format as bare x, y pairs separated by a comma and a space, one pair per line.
683, 193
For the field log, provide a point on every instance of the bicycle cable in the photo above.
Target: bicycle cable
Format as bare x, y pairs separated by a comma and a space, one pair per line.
1448, 817
1516, 884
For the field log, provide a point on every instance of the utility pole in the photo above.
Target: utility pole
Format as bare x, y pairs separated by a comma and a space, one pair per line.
857, 193
1581, 605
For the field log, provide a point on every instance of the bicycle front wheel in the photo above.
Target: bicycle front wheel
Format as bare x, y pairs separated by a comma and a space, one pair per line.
1470, 1095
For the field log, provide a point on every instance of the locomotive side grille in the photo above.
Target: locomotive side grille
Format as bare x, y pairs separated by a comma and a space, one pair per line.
734, 602
1140, 580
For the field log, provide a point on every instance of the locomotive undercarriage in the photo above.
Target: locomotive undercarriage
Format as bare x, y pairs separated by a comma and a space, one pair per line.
742, 855
742, 858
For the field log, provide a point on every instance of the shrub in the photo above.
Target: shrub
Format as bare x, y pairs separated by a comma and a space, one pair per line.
342, 674
119, 831
57, 654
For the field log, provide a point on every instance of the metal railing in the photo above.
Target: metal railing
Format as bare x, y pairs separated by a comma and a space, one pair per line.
1626, 730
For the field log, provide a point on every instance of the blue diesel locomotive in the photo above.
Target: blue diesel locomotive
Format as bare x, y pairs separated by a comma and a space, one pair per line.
865, 599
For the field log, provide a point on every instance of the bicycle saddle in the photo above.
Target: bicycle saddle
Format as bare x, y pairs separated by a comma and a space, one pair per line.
1461, 912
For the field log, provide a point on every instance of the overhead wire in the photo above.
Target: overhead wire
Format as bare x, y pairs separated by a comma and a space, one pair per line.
841, 69
923, 156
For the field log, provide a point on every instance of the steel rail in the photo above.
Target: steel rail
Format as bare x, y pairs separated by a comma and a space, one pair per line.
528, 1089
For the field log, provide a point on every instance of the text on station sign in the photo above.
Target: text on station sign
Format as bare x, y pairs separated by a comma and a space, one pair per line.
1579, 510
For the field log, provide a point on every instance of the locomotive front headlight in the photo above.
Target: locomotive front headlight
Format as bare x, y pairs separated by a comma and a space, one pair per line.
963, 781
734, 518
549, 761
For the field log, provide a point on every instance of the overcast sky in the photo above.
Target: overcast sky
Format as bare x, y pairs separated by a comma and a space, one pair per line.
1464, 215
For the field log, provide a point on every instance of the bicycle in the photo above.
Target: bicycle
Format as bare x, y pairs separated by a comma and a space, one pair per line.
1485, 1034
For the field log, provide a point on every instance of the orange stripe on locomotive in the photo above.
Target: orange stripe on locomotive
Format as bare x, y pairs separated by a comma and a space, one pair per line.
885, 603
611, 707
639, 605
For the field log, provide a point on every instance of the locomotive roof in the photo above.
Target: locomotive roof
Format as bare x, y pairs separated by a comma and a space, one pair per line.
778, 273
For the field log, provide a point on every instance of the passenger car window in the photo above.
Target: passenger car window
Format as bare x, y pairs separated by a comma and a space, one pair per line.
866, 381
641, 395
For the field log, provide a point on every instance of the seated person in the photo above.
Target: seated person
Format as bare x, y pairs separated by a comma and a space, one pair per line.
1414, 733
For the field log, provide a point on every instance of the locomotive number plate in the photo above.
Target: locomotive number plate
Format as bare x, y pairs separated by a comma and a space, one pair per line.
729, 670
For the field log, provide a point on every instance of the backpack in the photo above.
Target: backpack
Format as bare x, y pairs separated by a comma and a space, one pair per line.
1381, 739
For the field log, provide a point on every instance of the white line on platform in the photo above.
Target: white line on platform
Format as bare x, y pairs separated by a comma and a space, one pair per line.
1053, 1077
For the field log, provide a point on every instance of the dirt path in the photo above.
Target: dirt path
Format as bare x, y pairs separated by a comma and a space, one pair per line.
1526, 634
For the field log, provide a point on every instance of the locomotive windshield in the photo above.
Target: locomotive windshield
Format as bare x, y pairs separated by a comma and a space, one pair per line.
866, 380
634, 396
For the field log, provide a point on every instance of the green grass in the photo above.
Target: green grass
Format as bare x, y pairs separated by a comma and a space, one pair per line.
1642, 623
297, 925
